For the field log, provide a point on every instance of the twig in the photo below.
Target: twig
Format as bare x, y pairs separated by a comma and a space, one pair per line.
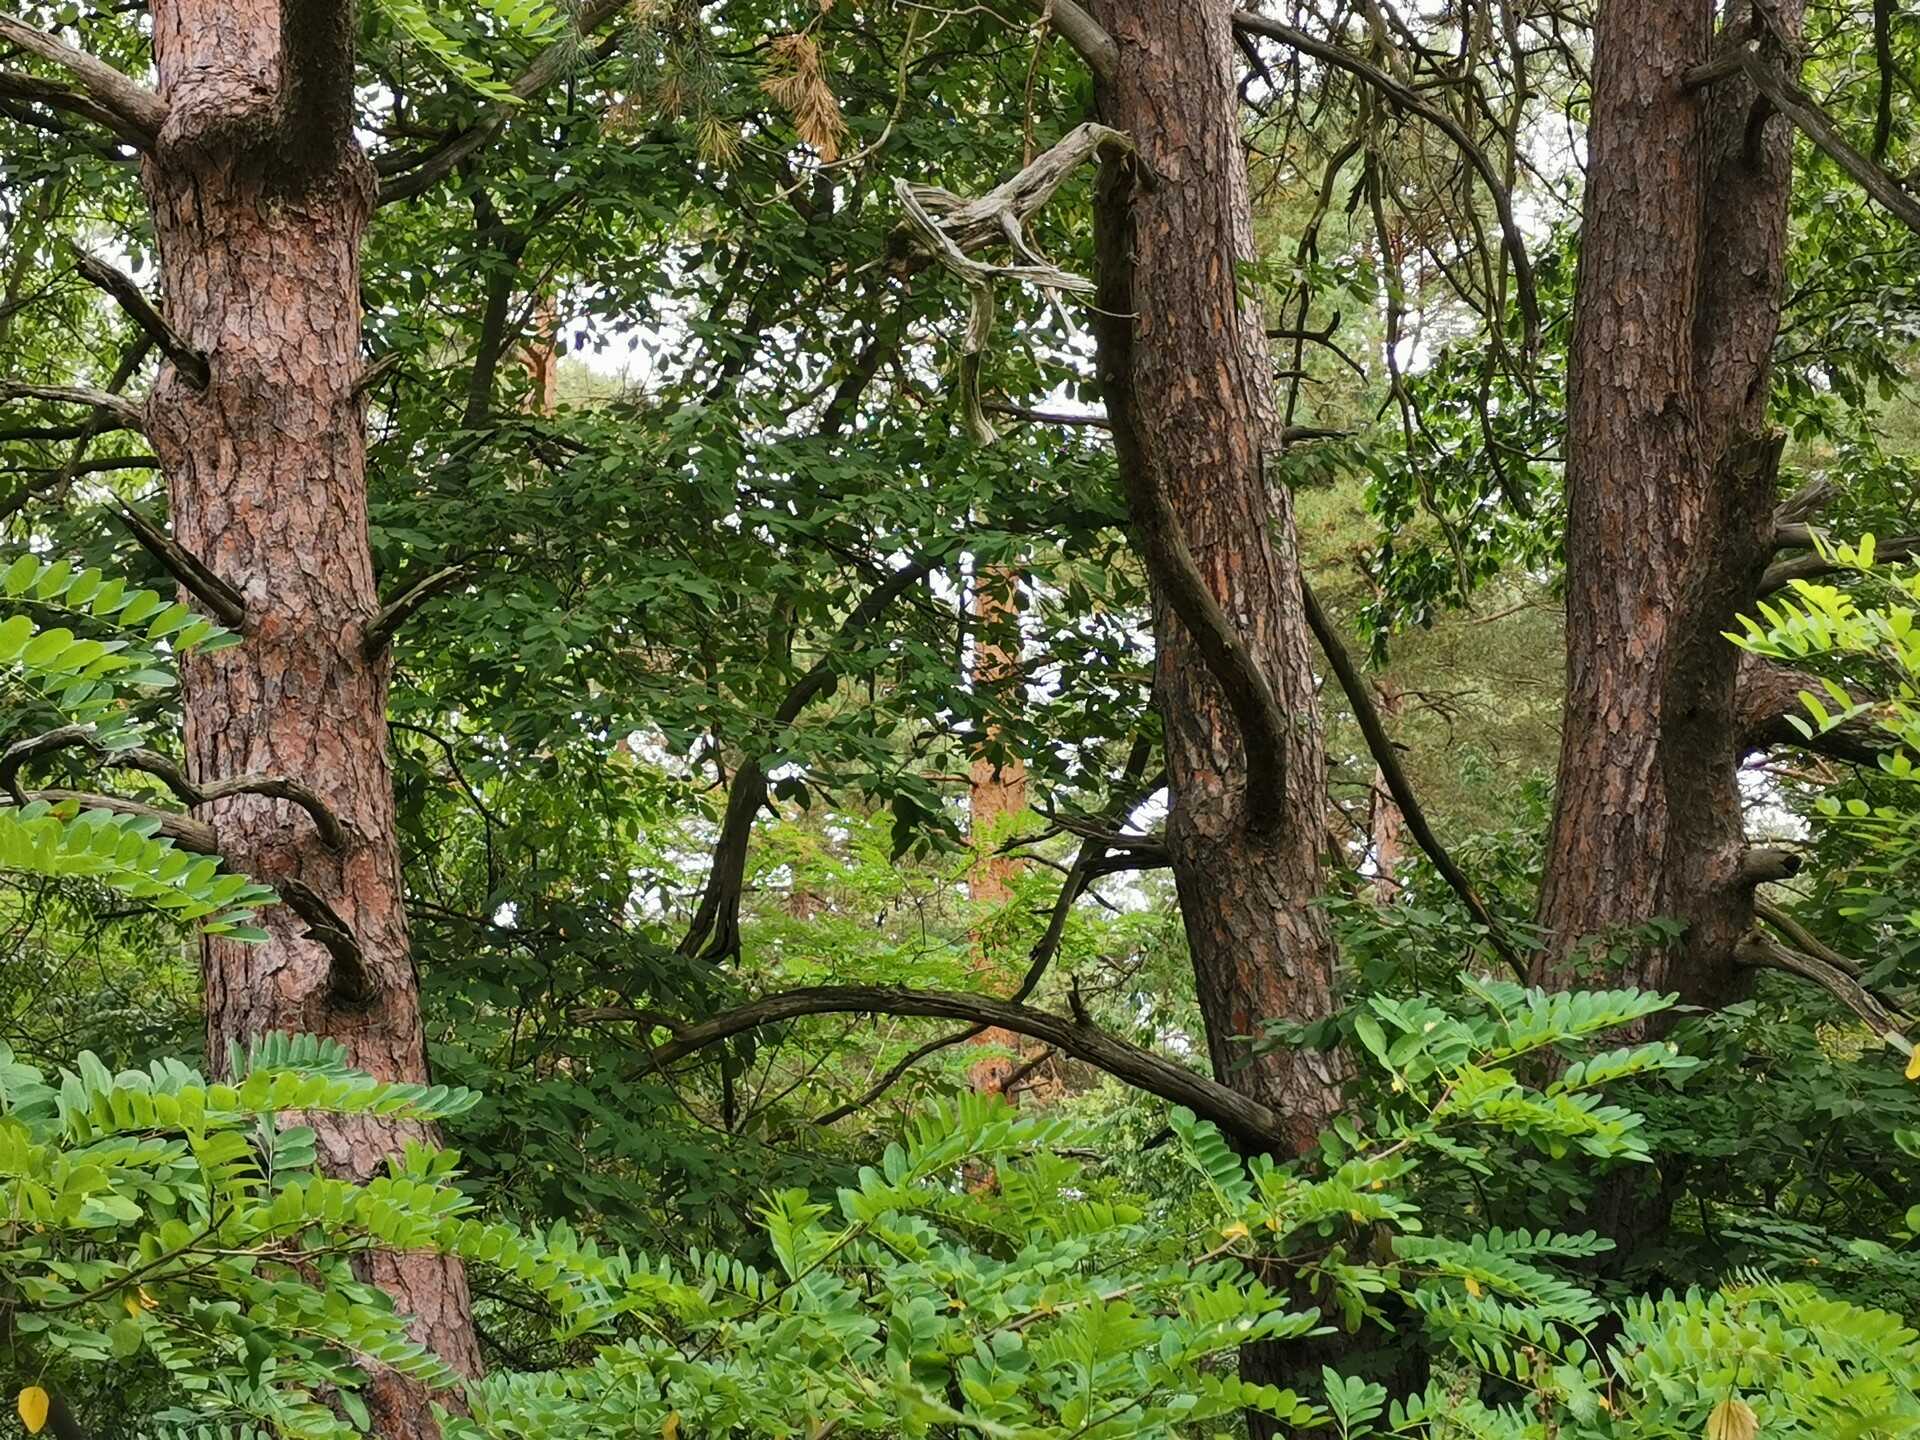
381, 629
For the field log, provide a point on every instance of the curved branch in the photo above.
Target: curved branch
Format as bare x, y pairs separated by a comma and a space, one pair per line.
1799, 107
123, 413
1263, 724
381, 629
1760, 950
1405, 99
1767, 694
1380, 744
139, 111
1084, 34
1812, 565
185, 831
351, 981
331, 832
1246, 1120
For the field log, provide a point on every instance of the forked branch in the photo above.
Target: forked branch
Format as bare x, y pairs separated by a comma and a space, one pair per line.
137, 112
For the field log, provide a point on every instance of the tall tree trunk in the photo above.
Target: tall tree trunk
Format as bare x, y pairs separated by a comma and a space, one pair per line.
260, 198
1188, 379
1671, 480
996, 797
1189, 386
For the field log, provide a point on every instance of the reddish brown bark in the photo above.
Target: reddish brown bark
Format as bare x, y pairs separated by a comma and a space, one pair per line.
996, 798
260, 198
1671, 481
1188, 380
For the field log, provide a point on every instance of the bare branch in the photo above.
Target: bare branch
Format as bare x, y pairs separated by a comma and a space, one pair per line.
139, 111
191, 363
352, 981
1766, 695
123, 413
1765, 864
55, 96
1406, 99
150, 762
382, 628
1761, 950
1247, 1120
192, 573
1089, 39
1811, 566
185, 831
1360, 696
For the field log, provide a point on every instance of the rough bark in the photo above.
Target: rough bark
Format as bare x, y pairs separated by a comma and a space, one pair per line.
1188, 379
267, 479
1671, 479
1187, 376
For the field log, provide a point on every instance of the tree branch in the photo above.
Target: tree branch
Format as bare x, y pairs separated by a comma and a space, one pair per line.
1247, 1120
138, 110
55, 96
191, 363
1766, 694
1794, 103
352, 982
1405, 99
1360, 696
150, 762
1089, 39
715, 930
382, 628
185, 831
192, 573
412, 175
123, 413
1811, 566
1761, 950
1263, 725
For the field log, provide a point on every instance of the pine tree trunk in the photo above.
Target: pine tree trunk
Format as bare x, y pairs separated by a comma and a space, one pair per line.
260, 198
1192, 378
1671, 482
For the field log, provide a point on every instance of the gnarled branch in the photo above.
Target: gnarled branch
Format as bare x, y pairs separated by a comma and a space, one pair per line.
1380, 745
382, 628
1761, 950
122, 413
1812, 565
328, 826
352, 982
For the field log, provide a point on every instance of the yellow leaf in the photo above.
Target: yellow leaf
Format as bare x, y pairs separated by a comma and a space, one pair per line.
1473, 1287
1913, 1064
33, 1409
1235, 1231
1732, 1420
133, 1306
670, 1427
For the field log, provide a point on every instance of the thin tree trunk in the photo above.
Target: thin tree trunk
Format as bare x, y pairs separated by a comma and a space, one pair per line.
266, 470
996, 798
